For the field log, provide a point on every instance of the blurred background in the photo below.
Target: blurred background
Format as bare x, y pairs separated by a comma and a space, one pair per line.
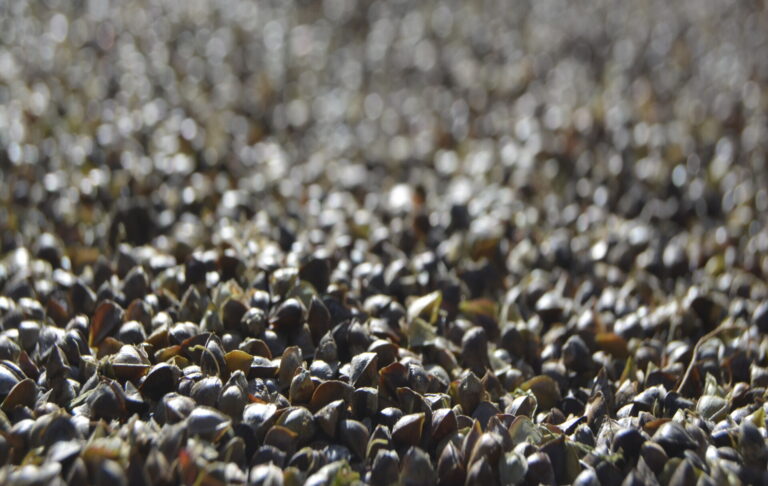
176, 117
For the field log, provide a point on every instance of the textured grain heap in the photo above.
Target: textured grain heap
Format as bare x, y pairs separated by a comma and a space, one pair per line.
337, 242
